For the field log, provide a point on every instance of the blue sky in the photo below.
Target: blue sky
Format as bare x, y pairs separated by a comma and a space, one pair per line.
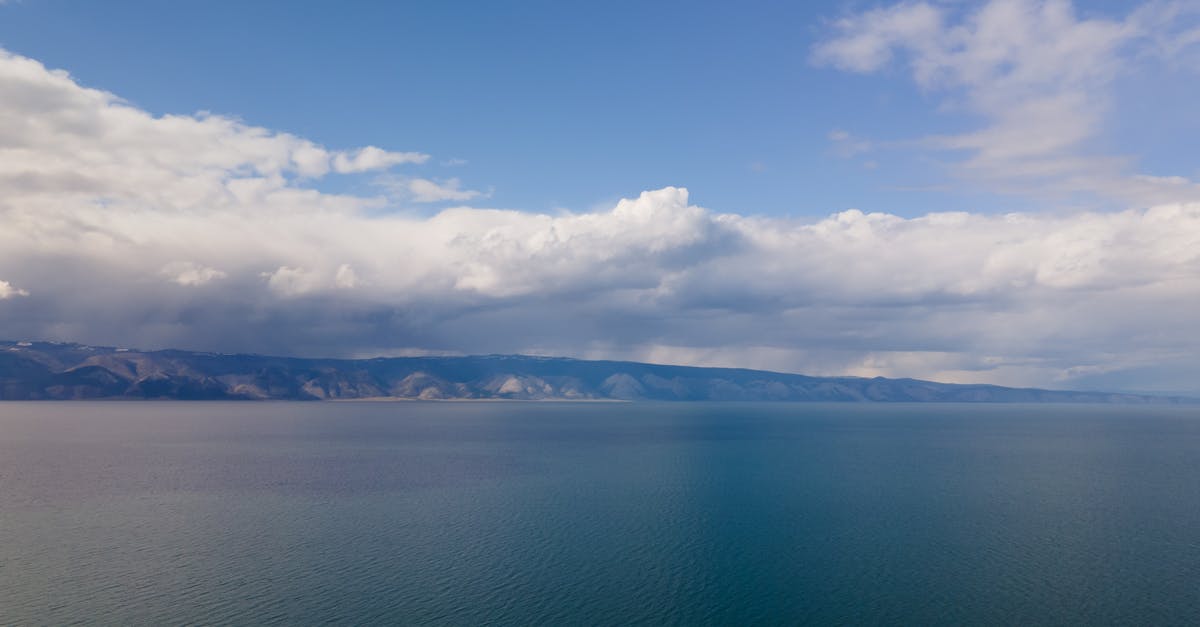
1001, 191
552, 104
555, 104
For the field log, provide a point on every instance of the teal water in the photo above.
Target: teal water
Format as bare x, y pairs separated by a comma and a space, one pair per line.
530, 513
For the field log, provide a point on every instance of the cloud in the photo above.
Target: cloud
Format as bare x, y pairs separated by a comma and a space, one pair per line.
1038, 78
8, 291
846, 145
372, 158
289, 281
867, 40
60, 141
426, 191
186, 273
345, 277
199, 232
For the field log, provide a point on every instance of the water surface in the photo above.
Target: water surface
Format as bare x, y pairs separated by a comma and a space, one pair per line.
527, 513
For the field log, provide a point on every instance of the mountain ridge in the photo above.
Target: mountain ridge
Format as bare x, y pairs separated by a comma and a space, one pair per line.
68, 371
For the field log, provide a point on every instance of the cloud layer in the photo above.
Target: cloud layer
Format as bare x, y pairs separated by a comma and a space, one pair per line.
1037, 78
203, 232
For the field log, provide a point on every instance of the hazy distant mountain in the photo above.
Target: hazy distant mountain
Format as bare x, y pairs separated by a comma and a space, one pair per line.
47, 370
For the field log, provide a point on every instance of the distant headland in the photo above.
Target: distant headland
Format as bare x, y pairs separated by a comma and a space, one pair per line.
63, 371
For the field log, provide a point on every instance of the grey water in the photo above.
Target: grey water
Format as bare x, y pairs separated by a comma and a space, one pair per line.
543, 513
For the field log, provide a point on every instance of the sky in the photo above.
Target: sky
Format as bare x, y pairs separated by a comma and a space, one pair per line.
1002, 191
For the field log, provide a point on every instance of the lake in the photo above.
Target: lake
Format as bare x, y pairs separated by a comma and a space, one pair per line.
598, 513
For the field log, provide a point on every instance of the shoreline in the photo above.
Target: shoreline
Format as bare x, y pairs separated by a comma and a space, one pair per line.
409, 399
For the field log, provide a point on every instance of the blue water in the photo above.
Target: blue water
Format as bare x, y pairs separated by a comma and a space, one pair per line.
529, 513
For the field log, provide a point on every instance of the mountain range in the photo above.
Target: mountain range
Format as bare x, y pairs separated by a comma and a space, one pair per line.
63, 371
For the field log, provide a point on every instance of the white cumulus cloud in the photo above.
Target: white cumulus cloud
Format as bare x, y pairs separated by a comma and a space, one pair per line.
61, 141
8, 291
102, 205
187, 273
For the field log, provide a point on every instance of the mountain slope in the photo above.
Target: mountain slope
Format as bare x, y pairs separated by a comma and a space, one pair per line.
48, 370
